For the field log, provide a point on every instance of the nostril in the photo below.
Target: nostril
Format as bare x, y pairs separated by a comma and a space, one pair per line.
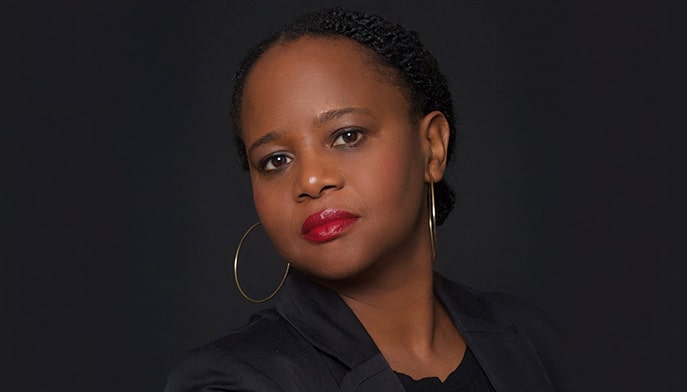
314, 179
315, 195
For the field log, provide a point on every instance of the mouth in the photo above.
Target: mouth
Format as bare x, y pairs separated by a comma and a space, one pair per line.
327, 225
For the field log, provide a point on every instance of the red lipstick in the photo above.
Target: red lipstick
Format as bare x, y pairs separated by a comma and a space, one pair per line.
327, 225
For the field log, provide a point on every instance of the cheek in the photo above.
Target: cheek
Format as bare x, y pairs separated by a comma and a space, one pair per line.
258, 199
265, 204
272, 205
397, 176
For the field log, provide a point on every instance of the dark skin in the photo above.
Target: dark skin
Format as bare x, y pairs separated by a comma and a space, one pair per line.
325, 129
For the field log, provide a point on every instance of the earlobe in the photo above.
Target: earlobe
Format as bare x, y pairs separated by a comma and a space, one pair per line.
437, 132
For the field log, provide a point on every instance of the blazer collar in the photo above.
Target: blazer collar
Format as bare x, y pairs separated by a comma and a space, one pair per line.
508, 358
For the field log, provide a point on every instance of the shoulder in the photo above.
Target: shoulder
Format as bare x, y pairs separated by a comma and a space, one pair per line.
544, 335
532, 322
258, 356
495, 308
267, 354
525, 316
228, 362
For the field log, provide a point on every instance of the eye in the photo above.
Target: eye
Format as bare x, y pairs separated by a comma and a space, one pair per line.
347, 137
275, 162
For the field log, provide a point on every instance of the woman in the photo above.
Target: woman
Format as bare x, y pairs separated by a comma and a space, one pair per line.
346, 125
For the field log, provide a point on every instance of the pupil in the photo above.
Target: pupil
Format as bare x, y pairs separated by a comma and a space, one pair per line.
349, 137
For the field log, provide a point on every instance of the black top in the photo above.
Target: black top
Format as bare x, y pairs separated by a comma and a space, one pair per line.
467, 377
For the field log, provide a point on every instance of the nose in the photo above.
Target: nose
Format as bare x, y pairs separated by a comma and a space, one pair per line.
316, 176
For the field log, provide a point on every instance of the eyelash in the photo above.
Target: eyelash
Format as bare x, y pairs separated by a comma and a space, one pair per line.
270, 159
343, 132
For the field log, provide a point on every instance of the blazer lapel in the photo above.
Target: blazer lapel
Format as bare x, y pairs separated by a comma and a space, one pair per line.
508, 358
374, 375
509, 361
327, 323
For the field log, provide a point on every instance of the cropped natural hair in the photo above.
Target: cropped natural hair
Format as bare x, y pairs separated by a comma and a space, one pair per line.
393, 46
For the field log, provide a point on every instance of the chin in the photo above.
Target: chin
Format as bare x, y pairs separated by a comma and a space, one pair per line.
331, 272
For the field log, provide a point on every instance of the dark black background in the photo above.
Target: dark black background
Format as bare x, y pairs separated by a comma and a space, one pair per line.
126, 202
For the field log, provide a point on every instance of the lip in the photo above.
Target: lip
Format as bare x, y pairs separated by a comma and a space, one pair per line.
327, 224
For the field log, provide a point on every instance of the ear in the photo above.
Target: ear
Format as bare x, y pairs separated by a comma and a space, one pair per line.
436, 132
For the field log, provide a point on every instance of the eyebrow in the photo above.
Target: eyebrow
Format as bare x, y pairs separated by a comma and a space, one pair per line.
336, 113
317, 121
270, 137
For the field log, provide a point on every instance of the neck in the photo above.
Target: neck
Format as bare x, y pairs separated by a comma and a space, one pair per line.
400, 310
407, 322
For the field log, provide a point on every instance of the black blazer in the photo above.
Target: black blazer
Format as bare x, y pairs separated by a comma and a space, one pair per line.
312, 341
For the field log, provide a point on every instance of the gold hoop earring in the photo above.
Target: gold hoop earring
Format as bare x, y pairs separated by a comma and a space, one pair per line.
236, 275
432, 219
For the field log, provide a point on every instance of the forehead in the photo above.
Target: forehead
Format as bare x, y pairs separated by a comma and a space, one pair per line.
302, 55
317, 71
326, 47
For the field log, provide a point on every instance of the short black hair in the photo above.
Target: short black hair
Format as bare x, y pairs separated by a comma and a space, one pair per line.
393, 45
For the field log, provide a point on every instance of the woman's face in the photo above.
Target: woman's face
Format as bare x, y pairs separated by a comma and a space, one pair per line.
338, 167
